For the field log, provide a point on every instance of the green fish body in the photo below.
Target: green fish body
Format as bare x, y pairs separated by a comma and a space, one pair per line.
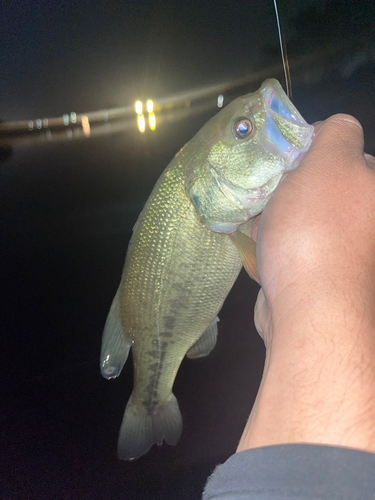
182, 262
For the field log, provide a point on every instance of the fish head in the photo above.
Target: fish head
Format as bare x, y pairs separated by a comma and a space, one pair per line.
251, 143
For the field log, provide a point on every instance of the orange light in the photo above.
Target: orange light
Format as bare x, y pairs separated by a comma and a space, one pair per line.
86, 125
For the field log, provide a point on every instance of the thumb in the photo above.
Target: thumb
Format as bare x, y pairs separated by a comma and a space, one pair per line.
339, 140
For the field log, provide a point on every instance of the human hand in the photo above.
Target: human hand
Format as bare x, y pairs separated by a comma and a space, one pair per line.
316, 308
316, 237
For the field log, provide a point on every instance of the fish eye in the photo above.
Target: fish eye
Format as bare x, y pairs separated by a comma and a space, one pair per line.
242, 128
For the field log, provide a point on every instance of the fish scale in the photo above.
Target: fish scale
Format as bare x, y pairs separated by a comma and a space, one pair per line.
185, 253
173, 278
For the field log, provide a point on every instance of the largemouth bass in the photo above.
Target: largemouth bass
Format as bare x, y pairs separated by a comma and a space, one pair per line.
183, 259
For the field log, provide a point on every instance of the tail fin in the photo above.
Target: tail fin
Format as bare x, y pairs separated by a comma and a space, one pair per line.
139, 430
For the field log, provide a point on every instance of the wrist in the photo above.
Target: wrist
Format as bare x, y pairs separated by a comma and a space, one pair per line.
319, 381
317, 310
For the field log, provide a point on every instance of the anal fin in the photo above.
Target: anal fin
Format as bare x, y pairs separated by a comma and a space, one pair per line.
115, 345
204, 345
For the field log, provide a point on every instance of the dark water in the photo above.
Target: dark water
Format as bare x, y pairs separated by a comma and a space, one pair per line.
67, 215
67, 211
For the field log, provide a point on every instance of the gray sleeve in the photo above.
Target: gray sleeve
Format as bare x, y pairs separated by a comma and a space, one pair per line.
296, 472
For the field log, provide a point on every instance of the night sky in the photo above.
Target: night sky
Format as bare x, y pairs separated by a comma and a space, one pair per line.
68, 208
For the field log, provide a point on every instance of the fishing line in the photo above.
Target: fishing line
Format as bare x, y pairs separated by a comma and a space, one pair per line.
284, 55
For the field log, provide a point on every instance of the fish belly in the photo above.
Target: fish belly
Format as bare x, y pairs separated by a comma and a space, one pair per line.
176, 277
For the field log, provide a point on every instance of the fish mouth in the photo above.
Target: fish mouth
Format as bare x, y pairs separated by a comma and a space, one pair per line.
276, 100
285, 133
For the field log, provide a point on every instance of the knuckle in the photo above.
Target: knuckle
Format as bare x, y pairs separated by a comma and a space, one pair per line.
343, 120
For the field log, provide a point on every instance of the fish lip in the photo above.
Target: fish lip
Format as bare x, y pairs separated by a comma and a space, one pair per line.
286, 133
271, 90
298, 158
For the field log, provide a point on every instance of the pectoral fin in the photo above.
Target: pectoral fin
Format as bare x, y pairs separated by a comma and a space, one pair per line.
247, 249
115, 345
204, 345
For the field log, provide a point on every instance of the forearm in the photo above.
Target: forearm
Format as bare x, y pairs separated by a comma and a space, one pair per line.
319, 380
